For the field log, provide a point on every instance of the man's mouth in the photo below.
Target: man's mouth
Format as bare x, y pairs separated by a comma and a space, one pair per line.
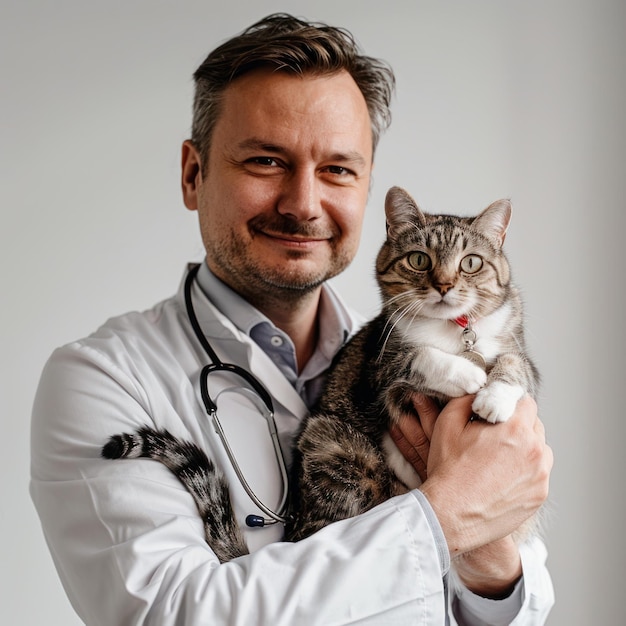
295, 240
291, 233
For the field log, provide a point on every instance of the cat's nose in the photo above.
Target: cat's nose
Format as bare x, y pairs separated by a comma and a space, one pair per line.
443, 288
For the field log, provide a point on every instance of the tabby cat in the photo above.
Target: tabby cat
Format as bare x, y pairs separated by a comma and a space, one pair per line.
451, 324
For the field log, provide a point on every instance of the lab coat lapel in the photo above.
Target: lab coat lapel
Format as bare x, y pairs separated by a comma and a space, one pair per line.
275, 382
234, 346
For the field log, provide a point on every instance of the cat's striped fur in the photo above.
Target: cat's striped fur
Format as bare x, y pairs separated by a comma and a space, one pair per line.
197, 473
432, 270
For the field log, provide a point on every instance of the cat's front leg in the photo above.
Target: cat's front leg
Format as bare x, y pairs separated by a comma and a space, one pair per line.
497, 401
448, 374
511, 378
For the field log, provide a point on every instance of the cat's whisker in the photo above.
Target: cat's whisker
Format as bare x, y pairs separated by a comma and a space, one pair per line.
396, 317
418, 306
388, 329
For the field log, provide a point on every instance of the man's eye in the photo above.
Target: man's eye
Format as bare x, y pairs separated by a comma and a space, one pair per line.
338, 170
265, 161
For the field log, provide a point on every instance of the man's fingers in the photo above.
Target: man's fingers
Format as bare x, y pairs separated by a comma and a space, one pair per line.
412, 443
428, 412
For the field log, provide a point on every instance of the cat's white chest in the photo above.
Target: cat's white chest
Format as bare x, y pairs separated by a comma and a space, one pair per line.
447, 335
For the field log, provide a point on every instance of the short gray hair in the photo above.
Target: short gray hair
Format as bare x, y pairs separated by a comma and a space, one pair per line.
290, 45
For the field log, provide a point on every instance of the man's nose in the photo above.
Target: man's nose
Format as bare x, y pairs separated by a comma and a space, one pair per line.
301, 199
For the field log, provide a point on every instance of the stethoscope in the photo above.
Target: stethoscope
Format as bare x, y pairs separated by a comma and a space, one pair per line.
258, 391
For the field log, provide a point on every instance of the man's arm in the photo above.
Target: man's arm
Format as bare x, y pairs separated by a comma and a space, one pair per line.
129, 545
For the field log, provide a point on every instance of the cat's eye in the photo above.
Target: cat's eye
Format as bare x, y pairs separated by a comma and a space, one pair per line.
471, 263
419, 261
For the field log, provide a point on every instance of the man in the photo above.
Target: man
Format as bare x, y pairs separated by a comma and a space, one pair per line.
286, 120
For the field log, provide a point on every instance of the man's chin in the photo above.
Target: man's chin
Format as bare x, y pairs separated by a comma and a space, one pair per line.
278, 278
294, 282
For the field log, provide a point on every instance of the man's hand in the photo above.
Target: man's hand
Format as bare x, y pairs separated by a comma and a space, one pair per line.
482, 480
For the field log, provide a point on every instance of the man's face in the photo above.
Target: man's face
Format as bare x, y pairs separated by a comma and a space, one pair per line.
282, 197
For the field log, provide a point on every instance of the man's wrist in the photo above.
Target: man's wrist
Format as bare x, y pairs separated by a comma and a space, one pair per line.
491, 571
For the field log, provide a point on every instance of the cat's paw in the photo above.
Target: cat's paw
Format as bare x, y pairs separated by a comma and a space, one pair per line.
496, 402
461, 377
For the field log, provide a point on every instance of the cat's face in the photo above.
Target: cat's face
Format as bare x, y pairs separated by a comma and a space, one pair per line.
441, 266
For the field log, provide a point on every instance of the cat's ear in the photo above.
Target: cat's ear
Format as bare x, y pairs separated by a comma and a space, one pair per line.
402, 212
494, 221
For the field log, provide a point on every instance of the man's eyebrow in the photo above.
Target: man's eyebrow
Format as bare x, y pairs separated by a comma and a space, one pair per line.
254, 143
351, 156
259, 144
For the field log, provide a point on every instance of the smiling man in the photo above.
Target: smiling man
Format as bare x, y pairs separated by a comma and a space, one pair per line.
282, 195
287, 117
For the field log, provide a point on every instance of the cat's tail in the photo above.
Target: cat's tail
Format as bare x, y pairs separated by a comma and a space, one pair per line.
197, 473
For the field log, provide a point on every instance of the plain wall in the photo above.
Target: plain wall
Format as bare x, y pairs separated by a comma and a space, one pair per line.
495, 99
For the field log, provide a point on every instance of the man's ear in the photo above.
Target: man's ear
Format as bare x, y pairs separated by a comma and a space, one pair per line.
191, 174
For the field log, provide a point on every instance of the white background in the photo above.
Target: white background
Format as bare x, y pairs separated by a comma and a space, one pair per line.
501, 98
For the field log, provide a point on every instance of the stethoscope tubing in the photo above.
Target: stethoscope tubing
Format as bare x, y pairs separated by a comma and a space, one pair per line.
211, 407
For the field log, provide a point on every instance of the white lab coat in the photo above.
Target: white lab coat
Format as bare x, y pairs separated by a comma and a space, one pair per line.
126, 537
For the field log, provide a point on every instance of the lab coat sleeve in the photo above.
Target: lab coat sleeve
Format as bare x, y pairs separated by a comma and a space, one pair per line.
129, 545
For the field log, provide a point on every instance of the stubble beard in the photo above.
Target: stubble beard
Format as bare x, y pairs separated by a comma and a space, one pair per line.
289, 283
262, 284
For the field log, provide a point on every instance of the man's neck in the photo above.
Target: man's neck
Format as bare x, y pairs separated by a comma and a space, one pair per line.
294, 311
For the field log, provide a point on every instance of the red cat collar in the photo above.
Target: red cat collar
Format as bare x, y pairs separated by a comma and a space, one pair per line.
462, 321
